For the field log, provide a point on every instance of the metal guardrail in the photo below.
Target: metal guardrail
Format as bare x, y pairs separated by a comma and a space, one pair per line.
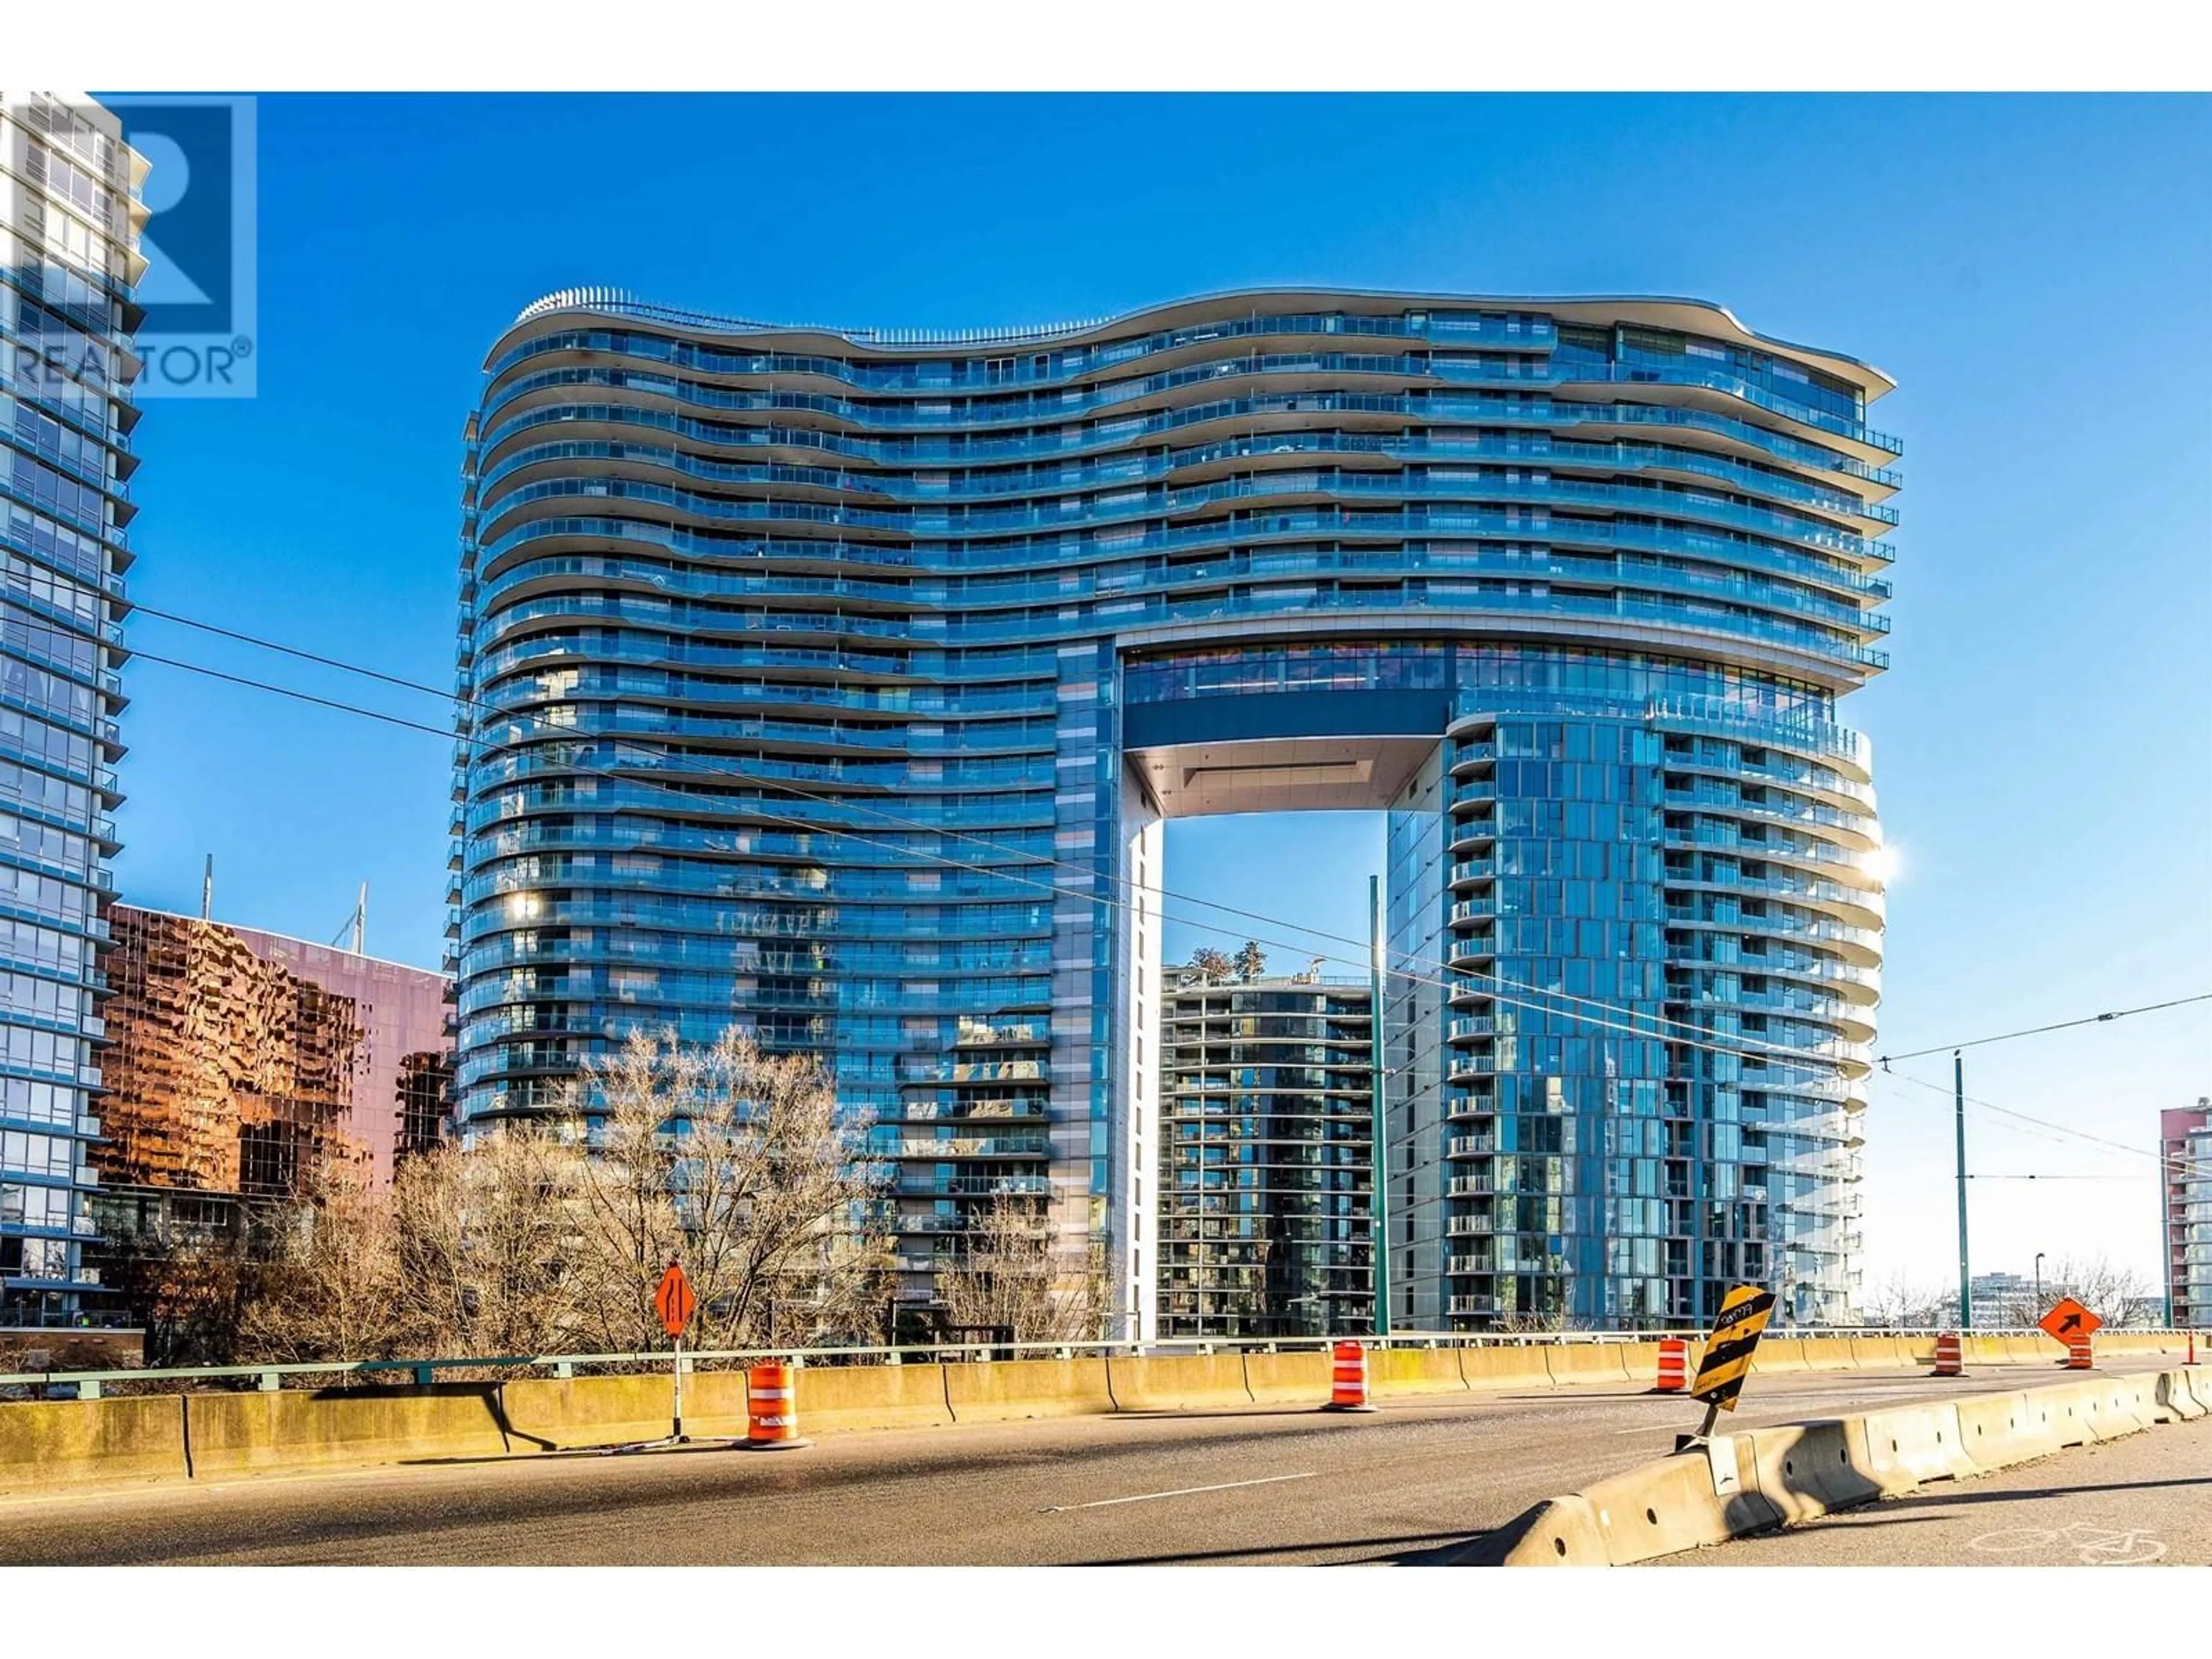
270, 1378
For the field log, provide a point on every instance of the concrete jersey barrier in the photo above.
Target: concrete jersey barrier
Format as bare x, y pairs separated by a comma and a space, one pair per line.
47, 1445
1774, 1476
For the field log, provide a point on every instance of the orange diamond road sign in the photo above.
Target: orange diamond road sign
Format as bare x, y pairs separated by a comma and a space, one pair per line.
2068, 1321
673, 1301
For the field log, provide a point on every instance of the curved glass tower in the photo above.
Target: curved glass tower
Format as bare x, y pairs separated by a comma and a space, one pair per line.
837, 683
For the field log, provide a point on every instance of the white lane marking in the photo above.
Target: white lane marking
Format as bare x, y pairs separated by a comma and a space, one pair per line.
1185, 1491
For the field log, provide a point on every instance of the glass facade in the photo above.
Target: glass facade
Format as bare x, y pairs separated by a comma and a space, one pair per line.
2185, 1141
246, 1062
832, 683
1267, 1159
69, 219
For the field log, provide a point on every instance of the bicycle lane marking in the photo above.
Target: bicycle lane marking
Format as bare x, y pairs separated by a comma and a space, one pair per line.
2093, 1547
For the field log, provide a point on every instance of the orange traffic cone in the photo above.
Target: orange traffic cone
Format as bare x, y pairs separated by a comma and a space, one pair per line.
1674, 1365
1949, 1359
1348, 1384
2078, 1354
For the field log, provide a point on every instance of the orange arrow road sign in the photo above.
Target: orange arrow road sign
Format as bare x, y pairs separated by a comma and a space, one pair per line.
2069, 1320
674, 1300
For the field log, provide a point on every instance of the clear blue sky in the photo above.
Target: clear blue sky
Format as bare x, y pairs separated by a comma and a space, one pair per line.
2034, 271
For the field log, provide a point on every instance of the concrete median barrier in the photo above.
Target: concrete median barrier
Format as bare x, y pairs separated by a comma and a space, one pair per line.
1791, 1473
834, 1398
1177, 1383
1911, 1445
1781, 1355
1014, 1391
2176, 1398
2068, 1411
1641, 1361
49, 1444
239, 1433
1880, 1352
1559, 1532
2134, 1400
1678, 1504
1985, 1351
1294, 1379
2198, 1379
1516, 1367
1409, 1371
1830, 1353
1808, 1470
567, 1413
1997, 1430
1585, 1363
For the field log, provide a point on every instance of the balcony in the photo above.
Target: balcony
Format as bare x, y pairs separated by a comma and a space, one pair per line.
974, 1186
1475, 949
1469, 755
1473, 834
1467, 1028
1470, 1145
1472, 872
1469, 1068
1469, 1226
1471, 1186
1472, 1304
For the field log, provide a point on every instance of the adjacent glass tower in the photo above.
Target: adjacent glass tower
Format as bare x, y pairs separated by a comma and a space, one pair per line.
838, 683
1267, 1158
69, 219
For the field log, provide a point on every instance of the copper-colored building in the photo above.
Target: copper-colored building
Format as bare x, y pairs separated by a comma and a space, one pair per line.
240, 1061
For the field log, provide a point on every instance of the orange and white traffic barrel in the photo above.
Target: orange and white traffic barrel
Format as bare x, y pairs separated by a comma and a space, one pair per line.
1950, 1356
1348, 1380
2078, 1355
771, 1408
1674, 1365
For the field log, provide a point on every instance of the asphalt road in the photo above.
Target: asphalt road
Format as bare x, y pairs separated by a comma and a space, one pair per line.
1413, 1482
2144, 1500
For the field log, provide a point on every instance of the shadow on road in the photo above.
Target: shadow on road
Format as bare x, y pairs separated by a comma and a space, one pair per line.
1891, 1512
1435, 1548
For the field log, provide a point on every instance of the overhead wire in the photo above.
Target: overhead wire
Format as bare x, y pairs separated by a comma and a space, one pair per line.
1090, 874
1457, 979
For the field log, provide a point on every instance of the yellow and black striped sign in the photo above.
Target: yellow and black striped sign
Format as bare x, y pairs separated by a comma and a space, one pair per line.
1744, 1313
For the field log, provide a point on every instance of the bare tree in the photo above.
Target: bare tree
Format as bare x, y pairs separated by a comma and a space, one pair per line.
740, 1165
1010, 1279
487, 1245
1902, 1303
1210, 965
1251, 961
333, 1284
2118, 1295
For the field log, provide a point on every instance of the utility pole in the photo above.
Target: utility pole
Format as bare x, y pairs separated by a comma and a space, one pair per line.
1959, 1104
1379, 1214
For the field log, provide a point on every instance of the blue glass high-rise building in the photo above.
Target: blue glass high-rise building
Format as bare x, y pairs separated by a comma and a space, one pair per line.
838, 683
69, 219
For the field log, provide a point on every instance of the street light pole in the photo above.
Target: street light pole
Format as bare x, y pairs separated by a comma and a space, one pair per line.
1959, 1104
2039, 1278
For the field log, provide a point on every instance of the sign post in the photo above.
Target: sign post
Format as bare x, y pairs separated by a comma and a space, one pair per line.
1727, 1359
674, 1302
